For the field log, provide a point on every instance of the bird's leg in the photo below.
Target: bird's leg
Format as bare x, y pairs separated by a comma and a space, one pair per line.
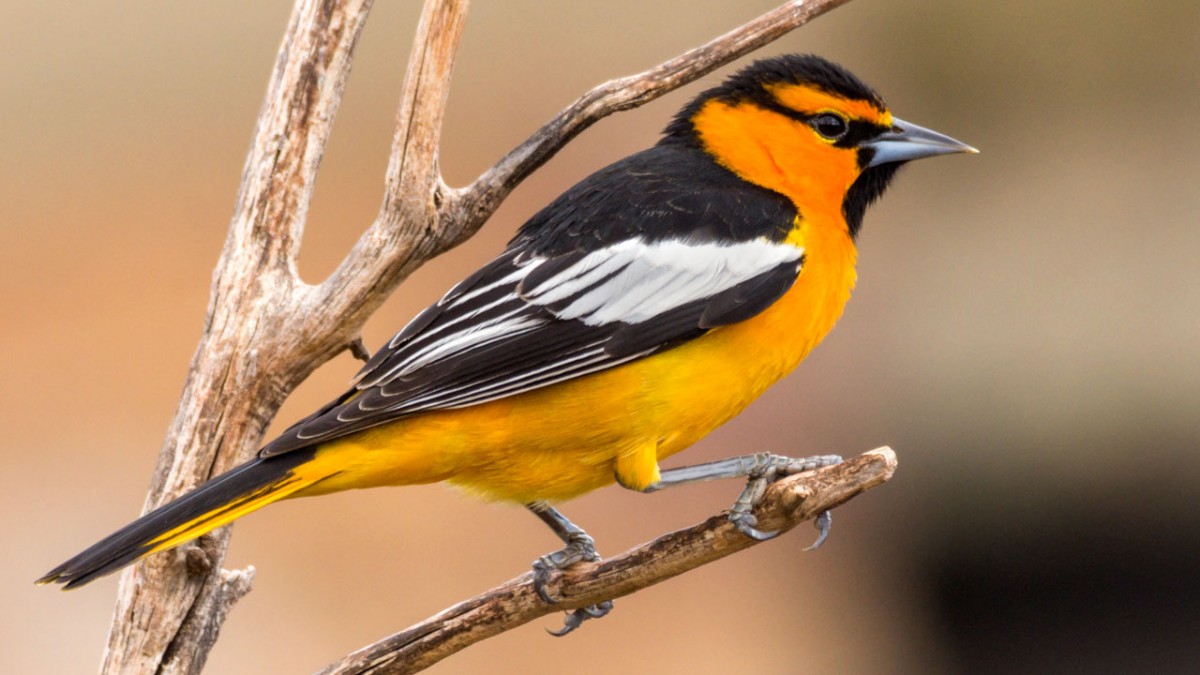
579, 547
760, 470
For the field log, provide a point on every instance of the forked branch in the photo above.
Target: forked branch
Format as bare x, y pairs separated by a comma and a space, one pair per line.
266, 330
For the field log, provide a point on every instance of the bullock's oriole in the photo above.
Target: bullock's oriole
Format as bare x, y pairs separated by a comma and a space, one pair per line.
641, 309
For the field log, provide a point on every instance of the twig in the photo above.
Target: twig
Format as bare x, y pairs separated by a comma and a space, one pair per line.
486, 193
266, 330
787, 503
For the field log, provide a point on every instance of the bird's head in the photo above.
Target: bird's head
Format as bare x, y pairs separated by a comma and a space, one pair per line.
809, 129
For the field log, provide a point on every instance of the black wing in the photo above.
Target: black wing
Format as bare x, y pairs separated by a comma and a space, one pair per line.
540, 314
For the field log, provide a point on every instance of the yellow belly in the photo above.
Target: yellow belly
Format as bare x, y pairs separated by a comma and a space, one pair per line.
561, 441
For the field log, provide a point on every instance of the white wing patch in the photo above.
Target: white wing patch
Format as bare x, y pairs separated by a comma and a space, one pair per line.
509, 330
630, 282
634, 281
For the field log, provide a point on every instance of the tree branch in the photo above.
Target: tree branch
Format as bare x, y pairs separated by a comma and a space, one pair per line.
787, 503
401, 240
251, 354
405, 233
475, 203
266, 330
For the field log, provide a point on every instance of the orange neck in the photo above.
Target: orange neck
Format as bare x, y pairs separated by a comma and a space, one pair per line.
777, 153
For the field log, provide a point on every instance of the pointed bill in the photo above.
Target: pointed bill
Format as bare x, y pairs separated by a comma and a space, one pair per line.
906, 141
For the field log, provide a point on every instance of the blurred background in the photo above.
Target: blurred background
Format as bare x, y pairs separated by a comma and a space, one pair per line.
1024, 334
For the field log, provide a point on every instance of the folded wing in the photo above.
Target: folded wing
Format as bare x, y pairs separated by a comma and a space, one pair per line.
527, 321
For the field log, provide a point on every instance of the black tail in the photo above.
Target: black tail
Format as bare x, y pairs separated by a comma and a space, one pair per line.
215, 503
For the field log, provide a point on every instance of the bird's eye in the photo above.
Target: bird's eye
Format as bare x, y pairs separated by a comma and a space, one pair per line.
829, 125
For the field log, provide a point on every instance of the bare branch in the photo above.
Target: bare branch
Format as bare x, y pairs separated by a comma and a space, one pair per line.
404, 234
401, 240
240, 374
293, 128
787, 503
474, 204
266, 331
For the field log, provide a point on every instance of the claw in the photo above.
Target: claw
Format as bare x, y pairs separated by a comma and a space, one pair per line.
823, 523
597, 611
541, 577
576, 618
580, 549
770, 469
570, 623
745, 524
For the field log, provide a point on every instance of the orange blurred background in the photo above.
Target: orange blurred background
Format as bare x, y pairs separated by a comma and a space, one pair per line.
1024, 334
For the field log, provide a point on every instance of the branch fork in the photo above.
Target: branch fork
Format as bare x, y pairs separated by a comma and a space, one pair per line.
266, 330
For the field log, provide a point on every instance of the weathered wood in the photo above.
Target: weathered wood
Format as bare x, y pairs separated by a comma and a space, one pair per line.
476, 202
786, 504
252, 352
266, 330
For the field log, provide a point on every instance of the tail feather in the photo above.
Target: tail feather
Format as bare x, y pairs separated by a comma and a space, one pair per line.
213, 504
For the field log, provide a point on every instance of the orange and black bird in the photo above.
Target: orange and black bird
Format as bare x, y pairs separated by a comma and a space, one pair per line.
641, 309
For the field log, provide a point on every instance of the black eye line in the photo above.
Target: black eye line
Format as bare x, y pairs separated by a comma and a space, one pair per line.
771, 104
857, 131
807, 118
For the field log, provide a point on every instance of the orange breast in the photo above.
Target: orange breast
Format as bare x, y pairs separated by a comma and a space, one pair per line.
561, 441
715, 377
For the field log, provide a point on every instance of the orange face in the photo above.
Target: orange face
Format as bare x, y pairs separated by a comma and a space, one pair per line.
782, 148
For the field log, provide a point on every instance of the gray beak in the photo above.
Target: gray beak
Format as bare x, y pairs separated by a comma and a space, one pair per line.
906, 141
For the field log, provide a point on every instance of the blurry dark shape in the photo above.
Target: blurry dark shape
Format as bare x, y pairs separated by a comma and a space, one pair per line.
1070, 593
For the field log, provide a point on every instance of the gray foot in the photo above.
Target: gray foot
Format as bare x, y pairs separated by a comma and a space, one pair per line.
580, 548
767, 469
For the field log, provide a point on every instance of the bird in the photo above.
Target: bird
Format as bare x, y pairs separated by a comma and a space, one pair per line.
642, 308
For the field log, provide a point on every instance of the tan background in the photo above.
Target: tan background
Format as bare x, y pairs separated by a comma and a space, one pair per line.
1024, 333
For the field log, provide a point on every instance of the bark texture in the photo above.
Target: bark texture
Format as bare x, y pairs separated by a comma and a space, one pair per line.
266, 330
